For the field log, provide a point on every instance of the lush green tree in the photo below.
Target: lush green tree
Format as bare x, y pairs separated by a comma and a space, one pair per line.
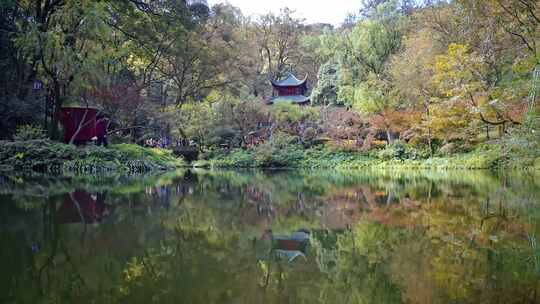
371, 42
278, 40
326, 91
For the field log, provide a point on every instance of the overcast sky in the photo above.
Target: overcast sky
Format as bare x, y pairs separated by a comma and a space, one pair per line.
314, 11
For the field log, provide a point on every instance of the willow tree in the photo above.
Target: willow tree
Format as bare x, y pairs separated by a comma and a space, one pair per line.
62, 41
367, 50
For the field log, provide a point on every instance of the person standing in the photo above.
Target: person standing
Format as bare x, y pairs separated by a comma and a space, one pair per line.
102, 124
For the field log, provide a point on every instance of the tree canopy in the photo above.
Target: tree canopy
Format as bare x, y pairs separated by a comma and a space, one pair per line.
428, 73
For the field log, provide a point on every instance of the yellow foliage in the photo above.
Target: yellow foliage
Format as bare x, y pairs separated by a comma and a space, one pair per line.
451, 120
458, 73
378, 143
134, 270
137, 62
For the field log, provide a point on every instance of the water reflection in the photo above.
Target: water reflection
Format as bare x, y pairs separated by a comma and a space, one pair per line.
286, 247
81, 206
271, 237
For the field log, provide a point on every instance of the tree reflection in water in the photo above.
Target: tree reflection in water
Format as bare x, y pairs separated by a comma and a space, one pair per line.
195, 236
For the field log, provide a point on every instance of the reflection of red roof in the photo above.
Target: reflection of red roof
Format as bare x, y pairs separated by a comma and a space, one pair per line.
290, 244
92, 208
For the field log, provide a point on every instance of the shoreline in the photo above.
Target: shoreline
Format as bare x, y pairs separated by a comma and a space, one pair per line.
476, 160
46, 156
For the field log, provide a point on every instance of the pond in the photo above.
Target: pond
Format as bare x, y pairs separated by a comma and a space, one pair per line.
199, 236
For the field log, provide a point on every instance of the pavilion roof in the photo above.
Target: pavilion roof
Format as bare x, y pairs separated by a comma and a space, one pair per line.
289, 81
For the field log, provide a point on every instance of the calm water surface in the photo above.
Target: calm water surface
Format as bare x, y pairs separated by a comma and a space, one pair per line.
271, 237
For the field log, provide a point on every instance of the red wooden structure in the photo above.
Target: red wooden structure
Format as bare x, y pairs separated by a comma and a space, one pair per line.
72, 119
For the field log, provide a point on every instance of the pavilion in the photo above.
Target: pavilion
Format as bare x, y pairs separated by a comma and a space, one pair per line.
289, 90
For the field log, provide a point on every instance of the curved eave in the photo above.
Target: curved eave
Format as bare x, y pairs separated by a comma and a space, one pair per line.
282, 84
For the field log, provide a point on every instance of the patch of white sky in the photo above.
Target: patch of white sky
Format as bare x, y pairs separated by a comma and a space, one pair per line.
313, 11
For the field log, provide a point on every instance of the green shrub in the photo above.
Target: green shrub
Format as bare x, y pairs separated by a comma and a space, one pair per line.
401, 151
455, 147
214, 153
396, 150
242, 158
309, 135
329, 157
223, 136
286, 113
46, 155
524, 147
237, 158
29, 132
281, 150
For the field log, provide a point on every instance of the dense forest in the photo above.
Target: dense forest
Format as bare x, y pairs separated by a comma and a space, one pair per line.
398, 79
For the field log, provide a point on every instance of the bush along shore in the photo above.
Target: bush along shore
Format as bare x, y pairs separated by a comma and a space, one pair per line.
53, 157
398, 155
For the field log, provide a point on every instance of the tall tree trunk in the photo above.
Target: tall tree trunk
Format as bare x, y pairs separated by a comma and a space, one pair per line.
81, 125
54, 132
502, 129
430, 143
430, 136
390, 137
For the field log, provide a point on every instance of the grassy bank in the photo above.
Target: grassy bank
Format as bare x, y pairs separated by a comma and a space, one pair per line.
49, 156
487, 157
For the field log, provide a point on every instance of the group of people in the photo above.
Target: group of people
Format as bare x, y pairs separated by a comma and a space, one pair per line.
163, 142
102, 125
